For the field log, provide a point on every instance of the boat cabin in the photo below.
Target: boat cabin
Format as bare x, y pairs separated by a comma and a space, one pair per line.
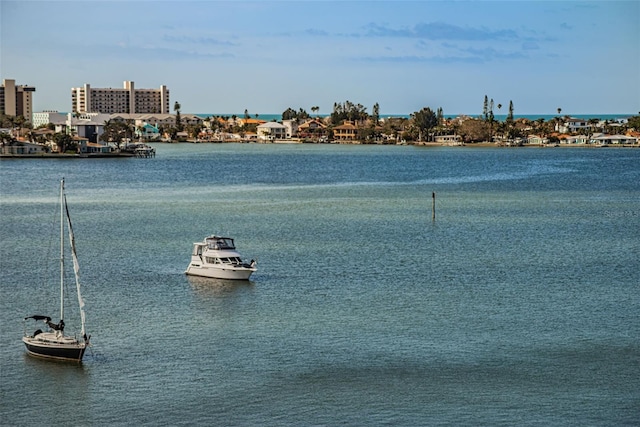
214, 243
220, 243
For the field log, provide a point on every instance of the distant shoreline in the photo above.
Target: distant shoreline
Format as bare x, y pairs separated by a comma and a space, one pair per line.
497, 117
414, 144
65, 156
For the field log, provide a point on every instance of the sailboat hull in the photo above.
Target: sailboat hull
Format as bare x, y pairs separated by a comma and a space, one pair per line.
65, 348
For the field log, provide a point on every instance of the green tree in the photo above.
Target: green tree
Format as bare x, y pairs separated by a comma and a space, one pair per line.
140, 132
490, 119
114, 132
485, 108
348, 111
194, 130
540, 127
474, 130
634, 122
289, 114
424, 120
315, 109
6, 139
176, 108
63, 141
509, 123
376, 114
510, 115
6, 121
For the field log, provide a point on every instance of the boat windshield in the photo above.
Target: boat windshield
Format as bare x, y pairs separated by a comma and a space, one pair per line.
220, 243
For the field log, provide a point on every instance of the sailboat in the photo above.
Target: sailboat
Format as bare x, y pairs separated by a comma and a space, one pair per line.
53, 343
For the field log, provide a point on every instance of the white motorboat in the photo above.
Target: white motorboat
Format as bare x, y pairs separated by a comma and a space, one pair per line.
54, 343
217, 257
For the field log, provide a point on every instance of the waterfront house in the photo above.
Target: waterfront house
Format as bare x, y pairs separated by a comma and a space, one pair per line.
89, 125
86, 147
312, 128
271, 131
449, 139
537, 140
147, 131
292, 127
22, 147
572, 125
157, 120
614, 140
348, 131
575, 139
246, 121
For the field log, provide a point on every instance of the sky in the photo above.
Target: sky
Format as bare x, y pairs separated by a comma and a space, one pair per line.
225, 57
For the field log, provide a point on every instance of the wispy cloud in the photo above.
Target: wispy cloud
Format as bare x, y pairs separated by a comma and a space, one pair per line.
490, 54
434, 31
316, 32
125, 52
420, 59
439, 31
197, 40
453, 54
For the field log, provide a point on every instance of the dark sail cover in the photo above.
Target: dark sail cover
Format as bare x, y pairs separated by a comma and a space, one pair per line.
39, 317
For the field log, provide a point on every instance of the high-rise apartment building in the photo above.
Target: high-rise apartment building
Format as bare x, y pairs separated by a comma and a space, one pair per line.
127, 100
16, 100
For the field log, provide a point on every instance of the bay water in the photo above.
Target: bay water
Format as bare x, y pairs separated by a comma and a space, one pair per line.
519, 304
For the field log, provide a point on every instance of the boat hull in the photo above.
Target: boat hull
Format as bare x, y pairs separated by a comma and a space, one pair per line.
231, 273
65, 349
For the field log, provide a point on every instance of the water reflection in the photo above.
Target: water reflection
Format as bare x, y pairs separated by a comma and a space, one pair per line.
57, 383
63, 367
218, 288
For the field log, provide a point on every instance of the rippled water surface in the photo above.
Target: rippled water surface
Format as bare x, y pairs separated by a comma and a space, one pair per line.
518, 305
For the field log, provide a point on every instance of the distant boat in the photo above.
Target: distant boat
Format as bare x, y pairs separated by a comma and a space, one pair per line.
216, 257
138, 150
53, 343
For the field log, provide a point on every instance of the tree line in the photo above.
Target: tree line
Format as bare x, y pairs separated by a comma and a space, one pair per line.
423, 125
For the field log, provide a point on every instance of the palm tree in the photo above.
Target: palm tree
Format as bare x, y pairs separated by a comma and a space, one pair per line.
140, 130
20, 121
315, 109
176, 108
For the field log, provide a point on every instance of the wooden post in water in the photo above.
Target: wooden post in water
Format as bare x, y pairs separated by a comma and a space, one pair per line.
433, 206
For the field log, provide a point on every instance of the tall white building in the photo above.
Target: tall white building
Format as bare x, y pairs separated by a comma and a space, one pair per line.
127, 100
45, 117
16, 100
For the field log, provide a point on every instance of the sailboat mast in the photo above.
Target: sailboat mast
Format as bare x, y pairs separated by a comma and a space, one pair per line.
62, 249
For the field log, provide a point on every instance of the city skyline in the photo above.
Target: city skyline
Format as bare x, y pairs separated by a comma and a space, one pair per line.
267, 56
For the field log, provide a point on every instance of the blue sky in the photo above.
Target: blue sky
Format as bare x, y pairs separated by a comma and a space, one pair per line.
266, 56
